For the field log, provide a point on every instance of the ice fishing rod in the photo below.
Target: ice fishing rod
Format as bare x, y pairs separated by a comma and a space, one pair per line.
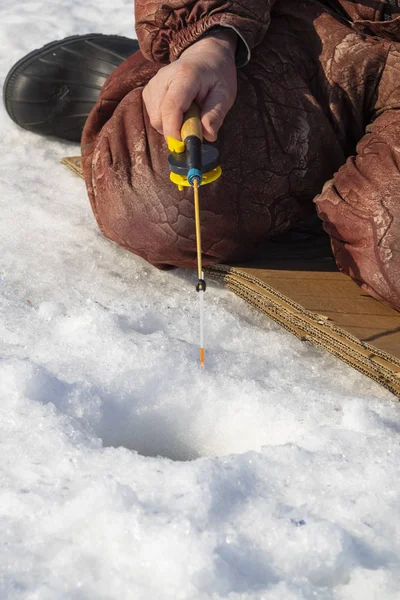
193, 164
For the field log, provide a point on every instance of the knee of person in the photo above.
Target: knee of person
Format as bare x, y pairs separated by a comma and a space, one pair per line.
376, 270
364, 232
172, 242
139, 214
138, 207
160, 228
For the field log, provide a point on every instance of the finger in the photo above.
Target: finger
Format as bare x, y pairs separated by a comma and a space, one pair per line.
214, 111
177, 101
153, 96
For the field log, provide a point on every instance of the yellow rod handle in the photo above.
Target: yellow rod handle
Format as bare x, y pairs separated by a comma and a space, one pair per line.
191, 123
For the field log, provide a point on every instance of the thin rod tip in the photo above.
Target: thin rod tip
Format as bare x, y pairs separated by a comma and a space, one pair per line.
202, 358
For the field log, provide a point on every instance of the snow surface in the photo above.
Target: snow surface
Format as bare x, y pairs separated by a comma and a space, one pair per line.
125, 471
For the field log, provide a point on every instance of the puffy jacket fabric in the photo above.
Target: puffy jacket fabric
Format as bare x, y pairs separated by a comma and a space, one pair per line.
316, 126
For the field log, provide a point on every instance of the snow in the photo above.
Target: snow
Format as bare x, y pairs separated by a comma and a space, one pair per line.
125, 471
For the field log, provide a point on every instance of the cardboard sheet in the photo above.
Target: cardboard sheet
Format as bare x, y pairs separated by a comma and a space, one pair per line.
295, 282
74, 163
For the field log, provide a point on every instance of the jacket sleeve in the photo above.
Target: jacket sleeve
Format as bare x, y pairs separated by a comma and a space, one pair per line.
166, 28
360, 206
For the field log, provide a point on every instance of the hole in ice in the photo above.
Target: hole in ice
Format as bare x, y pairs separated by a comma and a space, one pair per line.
177, 421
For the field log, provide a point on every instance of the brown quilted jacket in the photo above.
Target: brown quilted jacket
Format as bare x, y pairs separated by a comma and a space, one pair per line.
316, 123
166, 29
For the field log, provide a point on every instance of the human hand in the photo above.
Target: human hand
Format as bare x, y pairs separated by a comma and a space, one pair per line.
206, 73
